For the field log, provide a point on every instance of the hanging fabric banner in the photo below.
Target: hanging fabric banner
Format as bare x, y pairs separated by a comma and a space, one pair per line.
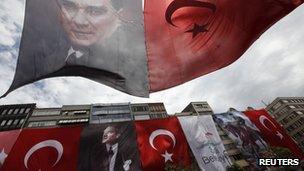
205, 142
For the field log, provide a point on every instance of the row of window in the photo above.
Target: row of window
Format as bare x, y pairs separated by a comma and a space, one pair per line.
108, 120
15, 111
289, 118
54, 112
295, 125
299, 135
110, 110
54, 122
282, 112
293, 101
157, 108
155, 116
202, 106
236, 157
116, 116
46, 112
12, 122
140, 108
296, 106
73, 121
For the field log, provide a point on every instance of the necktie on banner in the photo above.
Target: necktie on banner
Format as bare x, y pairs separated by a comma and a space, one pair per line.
162, 142
273, 132
45, 149
171, 42
7, 141
205, 142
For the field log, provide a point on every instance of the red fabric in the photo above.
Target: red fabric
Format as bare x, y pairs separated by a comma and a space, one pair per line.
151, 158
7, 141
175, 55
45, 157
272, 131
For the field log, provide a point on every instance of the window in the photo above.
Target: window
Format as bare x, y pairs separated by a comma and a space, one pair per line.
27, 110
4, 112
140, 108
22, 110
73, 121
16, 111
80, 112
21, 122
111, 110
141, 117
42, 124
16, 122
9, 122
276, 106
3, 123
10, 111
292, 107
45, 112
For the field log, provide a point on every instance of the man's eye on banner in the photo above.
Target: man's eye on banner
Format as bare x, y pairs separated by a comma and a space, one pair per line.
117, 44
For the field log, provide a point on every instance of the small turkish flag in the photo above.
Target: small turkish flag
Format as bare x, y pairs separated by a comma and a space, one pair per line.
272, 131
7, 141
162, 142
45, 149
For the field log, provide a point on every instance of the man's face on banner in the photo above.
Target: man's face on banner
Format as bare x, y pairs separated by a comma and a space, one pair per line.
110, 135
88, 21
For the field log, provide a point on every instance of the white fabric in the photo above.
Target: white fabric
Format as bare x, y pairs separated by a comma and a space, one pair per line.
205, 142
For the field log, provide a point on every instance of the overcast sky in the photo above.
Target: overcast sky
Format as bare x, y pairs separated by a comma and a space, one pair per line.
272, 67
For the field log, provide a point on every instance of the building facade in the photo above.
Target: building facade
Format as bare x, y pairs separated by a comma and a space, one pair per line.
288, 111
54, 117
94, 113
115, 112
145, 111
14, 116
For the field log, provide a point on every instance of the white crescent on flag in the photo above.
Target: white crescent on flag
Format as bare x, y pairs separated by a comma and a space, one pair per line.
48, 143
158, 132
262, 119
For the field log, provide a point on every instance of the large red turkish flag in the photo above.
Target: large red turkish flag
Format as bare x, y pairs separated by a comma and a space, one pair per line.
189, 38
7, 141
45, 149
162, 141
273, 132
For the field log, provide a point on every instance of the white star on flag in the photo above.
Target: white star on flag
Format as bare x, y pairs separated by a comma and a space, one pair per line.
167, 156
3, 155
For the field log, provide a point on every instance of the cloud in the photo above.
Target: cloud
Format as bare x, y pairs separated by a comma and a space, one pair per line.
273, 66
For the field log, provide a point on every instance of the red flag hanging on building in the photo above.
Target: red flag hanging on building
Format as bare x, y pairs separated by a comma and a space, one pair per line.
162, 142
7, 141
45, 149
273, 132
117, 44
